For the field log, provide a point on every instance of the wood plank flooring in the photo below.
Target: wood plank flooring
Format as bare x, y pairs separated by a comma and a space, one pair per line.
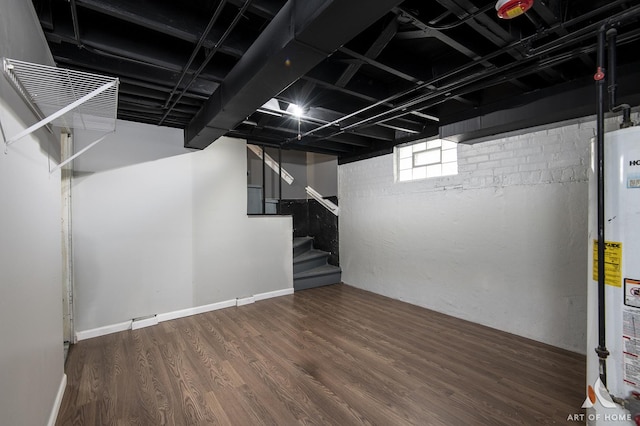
331, 355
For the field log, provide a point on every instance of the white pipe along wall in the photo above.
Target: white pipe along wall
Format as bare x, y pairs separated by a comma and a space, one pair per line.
503, 243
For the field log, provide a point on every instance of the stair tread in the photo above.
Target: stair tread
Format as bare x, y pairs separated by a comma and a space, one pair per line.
318, 271
310, 254
299, 241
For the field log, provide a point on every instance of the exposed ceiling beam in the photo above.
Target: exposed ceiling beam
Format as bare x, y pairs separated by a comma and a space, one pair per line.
551, 19
481, 23
123, 49
264, 8
488, 28
358, 139
369, 60
425, 30
370, 132
392, 71
293, 43
166, 20
373, 52
139, 74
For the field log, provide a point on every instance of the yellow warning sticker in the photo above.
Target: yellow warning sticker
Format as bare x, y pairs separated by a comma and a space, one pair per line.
612, 263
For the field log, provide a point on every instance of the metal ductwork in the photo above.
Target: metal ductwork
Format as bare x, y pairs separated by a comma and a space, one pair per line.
295, 41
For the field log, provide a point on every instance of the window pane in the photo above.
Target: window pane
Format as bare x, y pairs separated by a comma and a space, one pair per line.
406, 163
419, 147
420, 173
434, 144
405, 151
434, 170
427, 157
449, 156
405, 175
450, 169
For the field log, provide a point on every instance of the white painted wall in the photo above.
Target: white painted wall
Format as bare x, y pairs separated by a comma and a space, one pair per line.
143, 143
501, 244
31, 352
171, 233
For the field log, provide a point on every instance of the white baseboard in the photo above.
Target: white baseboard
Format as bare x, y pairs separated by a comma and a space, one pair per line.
101, 331
245, 301
167, 316
195, 311
270, 294
58, 401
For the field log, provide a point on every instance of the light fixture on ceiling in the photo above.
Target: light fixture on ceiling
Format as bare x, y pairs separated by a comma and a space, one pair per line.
509, 9
296, 110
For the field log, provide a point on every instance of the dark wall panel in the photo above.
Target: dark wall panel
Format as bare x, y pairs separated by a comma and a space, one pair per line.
323, 226
299, 210
311, 219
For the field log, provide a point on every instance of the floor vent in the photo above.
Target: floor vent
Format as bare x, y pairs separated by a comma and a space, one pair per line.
143, 322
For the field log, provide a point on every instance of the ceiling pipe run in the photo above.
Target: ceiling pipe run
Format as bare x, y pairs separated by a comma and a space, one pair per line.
505, 121
545, 49
210, 55
195, 51
404, 107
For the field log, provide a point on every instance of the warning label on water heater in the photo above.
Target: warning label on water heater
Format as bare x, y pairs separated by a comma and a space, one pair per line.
612, 263
631, 348
632, 292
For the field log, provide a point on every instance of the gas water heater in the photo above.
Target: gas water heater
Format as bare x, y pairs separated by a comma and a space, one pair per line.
604, 404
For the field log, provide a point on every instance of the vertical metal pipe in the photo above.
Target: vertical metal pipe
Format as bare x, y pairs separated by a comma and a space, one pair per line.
264, 181
601, 350
612, 77
626, 118
279, 179
76, 25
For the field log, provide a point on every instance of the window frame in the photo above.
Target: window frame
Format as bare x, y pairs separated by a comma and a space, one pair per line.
426, 158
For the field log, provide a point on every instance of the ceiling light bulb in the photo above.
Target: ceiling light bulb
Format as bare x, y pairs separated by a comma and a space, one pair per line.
296, 110
509, 9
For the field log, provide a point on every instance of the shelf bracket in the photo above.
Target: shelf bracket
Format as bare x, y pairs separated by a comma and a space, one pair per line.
79, 153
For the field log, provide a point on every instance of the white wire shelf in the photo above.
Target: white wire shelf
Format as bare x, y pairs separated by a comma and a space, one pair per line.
63, 97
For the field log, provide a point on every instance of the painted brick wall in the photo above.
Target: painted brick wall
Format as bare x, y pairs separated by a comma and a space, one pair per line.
552, 155
503, 243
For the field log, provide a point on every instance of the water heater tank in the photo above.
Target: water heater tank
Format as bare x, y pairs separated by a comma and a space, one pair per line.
622, 273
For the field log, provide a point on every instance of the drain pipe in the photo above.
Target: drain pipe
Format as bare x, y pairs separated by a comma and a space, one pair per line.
612, 37
599, 77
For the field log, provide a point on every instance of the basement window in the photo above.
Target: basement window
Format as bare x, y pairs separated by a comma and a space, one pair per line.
426, 159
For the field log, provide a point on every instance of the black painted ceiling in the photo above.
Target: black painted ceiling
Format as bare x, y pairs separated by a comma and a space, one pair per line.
368, 74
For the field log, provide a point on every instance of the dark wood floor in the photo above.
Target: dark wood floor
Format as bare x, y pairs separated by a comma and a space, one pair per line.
332, 355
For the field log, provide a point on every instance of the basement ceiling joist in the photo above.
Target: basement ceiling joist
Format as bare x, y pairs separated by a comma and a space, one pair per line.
368, 75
